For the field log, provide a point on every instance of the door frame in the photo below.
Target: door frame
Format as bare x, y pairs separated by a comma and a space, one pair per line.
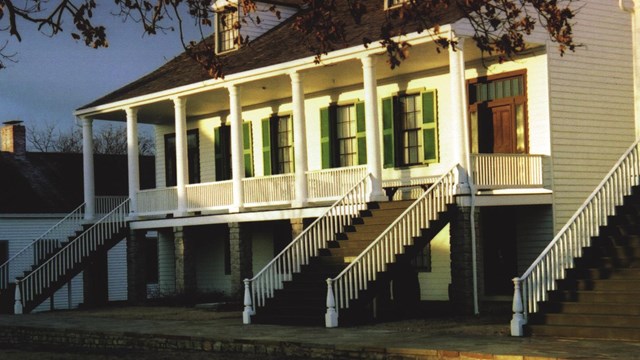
517, 100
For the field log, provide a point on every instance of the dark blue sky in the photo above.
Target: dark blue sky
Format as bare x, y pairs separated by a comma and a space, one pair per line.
54, 76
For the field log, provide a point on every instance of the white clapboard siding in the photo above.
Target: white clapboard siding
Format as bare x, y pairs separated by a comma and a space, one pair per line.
166, 263
434, 285
591, 104
257, 23
117, 275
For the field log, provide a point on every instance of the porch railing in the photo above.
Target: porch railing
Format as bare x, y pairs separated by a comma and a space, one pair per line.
209, 196
533, 286
70, 256
155, 201
104, 204
500, 171
330, 184
346, 287
269, 190
40, 247
302, 248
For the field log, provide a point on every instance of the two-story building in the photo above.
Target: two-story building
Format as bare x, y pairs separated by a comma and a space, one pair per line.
499, 155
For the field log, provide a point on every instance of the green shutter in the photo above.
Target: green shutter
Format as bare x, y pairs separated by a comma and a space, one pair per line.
361, 134
217, 148
387, 132
430, 127
266, 146
247, 146
325, 138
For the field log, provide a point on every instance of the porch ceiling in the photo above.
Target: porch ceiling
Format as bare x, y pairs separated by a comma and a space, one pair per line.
273, 89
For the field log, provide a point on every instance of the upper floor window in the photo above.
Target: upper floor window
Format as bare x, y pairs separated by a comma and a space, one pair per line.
277, 145
410, 129
193, 158
392, 3
227, 30
222, 150
343, 135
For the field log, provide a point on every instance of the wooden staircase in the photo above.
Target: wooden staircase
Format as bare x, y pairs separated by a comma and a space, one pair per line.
302, 301
600, 296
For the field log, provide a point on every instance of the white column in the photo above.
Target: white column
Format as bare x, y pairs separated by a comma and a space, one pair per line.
299, 139
237, 160
182, 165
459, 138
372, 126
87, 161
133, 159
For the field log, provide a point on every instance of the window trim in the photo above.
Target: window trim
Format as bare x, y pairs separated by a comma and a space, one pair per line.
233, 30
517, 100
196, 152
329, 142
393, 134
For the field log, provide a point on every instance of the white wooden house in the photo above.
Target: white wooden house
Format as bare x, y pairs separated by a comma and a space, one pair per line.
284, 148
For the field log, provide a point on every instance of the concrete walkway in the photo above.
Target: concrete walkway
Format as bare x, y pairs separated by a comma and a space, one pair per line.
200, 330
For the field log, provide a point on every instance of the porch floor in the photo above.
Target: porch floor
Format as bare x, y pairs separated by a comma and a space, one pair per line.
193, 330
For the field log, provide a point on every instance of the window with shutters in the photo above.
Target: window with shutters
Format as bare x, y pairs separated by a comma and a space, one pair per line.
277, 145
410, 129
227, 30
193, 158
343, 135
222, 150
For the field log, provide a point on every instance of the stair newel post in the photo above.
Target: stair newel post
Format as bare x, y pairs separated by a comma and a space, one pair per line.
248, 306
17, 306
331, 317
518, 321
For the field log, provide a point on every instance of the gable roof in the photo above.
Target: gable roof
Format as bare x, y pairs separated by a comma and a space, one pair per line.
279, 45
53, 182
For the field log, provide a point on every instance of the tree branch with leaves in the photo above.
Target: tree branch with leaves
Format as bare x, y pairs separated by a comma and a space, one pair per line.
500, 26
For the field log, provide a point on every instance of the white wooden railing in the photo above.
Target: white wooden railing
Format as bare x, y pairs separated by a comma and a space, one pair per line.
52, 239
330, 184
500, 171
269, 190
383, 250
533, 286
70, 256
104, 204
40, 247
209, 196
155, 201
302, 248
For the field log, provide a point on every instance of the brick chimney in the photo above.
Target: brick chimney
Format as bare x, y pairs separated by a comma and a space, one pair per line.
14, 138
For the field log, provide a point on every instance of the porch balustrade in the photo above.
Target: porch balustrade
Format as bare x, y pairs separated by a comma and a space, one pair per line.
508, 171
210, 196
269, 190
333, 183
157, 201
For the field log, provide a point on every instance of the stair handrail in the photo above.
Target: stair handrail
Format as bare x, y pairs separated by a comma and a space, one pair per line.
382, 251
42, 245
559, 255
72, 253
306, 245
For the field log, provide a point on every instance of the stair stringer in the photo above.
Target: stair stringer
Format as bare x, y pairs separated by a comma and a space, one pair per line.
61, 266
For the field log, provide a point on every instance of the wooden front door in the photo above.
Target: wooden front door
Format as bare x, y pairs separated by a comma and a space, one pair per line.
504, 132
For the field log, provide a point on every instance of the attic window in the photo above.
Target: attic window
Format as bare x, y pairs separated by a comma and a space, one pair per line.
227, 30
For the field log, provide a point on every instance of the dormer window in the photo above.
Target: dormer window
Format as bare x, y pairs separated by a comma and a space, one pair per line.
393, 3
226, 30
